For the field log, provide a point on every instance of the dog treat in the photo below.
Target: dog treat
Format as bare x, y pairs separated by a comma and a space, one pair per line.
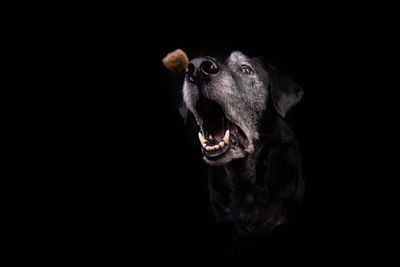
176, 61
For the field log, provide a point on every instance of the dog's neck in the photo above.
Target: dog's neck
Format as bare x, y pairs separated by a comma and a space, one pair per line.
243, 169
276, 132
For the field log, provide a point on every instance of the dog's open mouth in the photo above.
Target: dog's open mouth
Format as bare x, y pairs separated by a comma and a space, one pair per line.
217, 134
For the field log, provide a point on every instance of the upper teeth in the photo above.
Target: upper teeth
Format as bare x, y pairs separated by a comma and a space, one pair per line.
220, 145
202, 140
226, 137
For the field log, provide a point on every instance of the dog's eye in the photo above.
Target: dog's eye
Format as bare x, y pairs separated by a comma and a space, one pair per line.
246, 70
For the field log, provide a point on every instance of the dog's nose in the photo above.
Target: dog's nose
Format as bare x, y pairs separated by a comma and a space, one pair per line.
201, 69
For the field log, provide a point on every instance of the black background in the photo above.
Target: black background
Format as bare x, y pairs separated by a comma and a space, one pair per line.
138, 183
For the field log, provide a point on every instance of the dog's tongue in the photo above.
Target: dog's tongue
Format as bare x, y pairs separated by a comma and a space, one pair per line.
219, 125
215, 121
218, 128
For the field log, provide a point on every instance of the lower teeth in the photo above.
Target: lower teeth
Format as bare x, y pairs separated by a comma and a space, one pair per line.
204, 142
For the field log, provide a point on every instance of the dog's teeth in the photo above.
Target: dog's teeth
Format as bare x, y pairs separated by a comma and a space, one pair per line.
218, 146
202, 139
226, 137
210, 136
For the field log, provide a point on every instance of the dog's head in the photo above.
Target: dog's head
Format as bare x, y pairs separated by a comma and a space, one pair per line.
228, 98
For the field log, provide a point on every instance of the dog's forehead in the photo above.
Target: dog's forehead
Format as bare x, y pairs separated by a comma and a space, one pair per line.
237, 57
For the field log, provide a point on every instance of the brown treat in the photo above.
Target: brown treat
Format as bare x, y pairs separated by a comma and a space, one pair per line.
176, 61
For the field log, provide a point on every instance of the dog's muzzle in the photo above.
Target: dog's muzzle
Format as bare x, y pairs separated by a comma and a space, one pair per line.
219, 133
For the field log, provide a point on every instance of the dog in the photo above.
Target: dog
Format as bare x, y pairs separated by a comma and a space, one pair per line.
239, 103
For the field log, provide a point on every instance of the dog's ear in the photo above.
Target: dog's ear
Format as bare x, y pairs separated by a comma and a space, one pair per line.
284, 92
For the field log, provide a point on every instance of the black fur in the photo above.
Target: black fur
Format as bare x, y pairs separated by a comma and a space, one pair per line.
257, 198
256, 205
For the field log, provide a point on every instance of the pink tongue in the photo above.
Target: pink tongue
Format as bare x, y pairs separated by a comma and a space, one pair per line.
219, 134
217, 128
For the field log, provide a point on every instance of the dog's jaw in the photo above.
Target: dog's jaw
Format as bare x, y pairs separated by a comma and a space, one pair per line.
240, 144
230, 156
236, 144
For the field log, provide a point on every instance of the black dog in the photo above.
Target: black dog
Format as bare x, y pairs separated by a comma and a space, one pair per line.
240, 104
